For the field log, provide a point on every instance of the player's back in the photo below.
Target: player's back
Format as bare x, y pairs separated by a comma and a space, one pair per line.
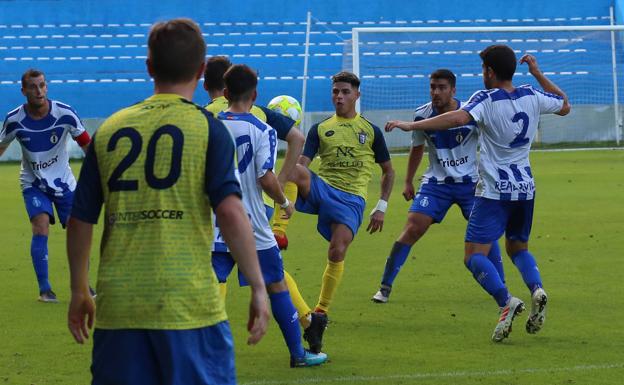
256, 151
508, 123
152, 164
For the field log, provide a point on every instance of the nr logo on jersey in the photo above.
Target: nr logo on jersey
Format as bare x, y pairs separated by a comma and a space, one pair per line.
424, 202
53, 138
330, 133
36, 202
344, 151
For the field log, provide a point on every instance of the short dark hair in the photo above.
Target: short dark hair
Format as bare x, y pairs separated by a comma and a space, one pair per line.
501, 59
176, 50
444, 74
240, 82
216, 67
346, 77
31, 73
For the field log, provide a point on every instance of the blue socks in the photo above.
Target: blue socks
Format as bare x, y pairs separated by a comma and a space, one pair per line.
397, 258
527, 266
485, 273
39, 254
497, 260
287, 318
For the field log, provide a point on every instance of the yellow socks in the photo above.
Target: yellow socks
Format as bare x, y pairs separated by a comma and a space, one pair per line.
279, 224
302, 307
331, 279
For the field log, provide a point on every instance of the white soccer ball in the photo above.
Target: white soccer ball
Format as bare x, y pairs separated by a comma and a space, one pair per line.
288, 106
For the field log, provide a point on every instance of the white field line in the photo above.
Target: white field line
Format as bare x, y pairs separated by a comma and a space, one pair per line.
439, 375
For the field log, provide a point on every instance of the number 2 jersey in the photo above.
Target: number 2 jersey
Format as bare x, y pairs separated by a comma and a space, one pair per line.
256, 151
508, 122
45, 160
452, 153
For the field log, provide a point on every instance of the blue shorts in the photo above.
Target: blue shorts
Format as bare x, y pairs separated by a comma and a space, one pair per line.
491, 218
38, 202
434, 200
332, 206
173, 357
270, 264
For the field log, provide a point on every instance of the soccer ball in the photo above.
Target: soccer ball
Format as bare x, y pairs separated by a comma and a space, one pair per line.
288, 106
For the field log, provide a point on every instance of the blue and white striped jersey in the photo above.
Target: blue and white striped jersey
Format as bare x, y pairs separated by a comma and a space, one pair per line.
256, 153
508, 123
452, 153
45, 160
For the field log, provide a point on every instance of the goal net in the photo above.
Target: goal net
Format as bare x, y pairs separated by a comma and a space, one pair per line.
587, 62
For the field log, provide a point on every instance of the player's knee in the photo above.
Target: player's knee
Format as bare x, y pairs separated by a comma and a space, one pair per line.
277, 287
40, 224
415, 230
513, 247
337, 252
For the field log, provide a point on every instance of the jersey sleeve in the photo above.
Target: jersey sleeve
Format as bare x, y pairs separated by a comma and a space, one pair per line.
266, 152
88, 197
280, 123
548, 103
379, 146
312, 142
418, 137
477, 105
220, 178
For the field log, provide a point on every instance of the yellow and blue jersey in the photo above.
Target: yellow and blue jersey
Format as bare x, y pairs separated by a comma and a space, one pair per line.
348, 149
158, 167
280, 123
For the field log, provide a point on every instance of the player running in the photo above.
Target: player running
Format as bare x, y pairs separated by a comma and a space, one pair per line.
450, 178
508, 118
43, 127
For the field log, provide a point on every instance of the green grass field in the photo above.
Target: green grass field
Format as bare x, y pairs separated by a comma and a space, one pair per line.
435, 329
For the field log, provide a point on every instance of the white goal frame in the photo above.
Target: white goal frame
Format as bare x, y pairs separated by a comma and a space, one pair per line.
587, 28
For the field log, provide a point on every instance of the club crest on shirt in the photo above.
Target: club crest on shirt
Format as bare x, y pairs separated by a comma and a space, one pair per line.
53, 138
330, 133
459, 137
362, 137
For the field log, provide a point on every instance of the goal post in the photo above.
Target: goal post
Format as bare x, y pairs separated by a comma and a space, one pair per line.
587, 62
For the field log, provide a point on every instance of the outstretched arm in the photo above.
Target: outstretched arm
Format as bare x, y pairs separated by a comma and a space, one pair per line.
546, 84
438, 123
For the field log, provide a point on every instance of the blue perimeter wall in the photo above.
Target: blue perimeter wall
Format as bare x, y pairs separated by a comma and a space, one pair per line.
99, 100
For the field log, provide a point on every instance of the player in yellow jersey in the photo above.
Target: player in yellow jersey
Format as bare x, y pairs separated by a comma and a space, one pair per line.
158, 167
286, 130
348, 146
